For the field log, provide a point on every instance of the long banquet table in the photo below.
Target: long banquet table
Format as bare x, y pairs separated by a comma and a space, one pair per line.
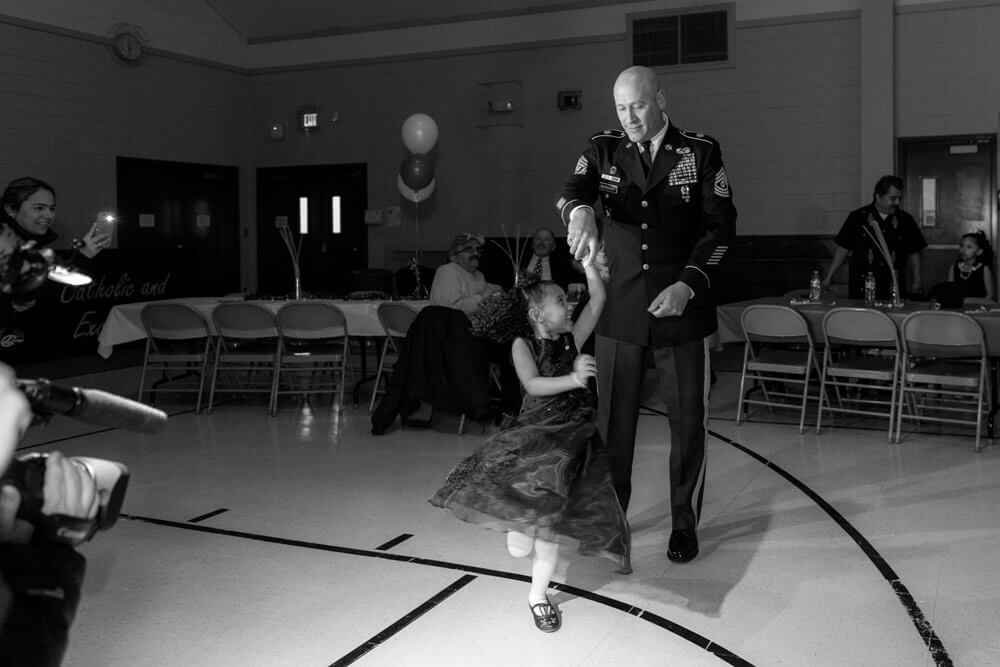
731, 331
124, 325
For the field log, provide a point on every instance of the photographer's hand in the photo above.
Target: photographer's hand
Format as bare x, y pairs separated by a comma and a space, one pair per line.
68, 490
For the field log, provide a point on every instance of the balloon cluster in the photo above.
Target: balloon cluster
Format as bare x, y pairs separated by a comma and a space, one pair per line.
416, 174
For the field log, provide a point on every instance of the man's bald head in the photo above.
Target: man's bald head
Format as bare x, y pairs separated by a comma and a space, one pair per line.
638, 77
639, 102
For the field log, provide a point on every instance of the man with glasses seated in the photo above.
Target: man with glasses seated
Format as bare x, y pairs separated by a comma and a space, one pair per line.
460, 284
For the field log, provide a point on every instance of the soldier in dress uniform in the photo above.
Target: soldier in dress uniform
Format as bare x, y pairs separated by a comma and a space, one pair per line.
668, 217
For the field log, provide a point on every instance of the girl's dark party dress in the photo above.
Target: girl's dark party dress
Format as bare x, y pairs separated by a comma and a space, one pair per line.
546, 475
973, 282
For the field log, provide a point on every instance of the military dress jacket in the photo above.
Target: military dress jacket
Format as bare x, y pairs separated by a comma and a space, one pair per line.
675, 224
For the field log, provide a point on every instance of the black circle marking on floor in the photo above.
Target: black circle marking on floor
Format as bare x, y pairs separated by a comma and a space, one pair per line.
698, 640
930, 639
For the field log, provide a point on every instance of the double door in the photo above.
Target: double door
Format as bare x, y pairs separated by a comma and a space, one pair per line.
323, 207
950, 189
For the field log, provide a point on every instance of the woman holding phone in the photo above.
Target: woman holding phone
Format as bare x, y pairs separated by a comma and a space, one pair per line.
30, 205
28, 211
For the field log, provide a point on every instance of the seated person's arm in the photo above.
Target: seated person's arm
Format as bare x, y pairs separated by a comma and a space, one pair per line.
446, 290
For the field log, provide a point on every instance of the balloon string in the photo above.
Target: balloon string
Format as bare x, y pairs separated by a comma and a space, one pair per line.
416, 229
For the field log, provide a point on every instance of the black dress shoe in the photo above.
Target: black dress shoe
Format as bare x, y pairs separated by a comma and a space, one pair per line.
683, 546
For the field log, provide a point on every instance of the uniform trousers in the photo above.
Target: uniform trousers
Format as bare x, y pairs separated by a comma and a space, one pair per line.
683, 383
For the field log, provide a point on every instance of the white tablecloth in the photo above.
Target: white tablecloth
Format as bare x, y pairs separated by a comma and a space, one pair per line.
124, 326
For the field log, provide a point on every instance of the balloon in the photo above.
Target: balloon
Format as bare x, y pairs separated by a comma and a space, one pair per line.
415, 196
417, 171
420, 133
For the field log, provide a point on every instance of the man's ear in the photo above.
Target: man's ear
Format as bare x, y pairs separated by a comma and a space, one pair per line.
661, 99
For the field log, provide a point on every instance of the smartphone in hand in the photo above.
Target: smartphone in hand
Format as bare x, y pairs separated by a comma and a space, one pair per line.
105, 224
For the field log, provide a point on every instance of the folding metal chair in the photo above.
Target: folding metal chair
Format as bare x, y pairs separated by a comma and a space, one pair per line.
944, 371
177, 340
395, 318
246, 349
314, 351
778, 351
861, 362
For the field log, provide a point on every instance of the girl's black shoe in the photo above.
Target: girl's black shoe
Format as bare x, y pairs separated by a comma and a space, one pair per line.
546, 616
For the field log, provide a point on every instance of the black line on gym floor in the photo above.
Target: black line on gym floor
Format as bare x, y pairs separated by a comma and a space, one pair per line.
97, 432
933, 643
704, 643
208, 515
64, 439
372, 643
393, 542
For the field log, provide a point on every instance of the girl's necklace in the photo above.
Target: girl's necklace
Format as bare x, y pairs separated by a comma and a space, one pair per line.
965, 273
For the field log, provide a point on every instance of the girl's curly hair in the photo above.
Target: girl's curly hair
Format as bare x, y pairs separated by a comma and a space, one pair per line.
503, 317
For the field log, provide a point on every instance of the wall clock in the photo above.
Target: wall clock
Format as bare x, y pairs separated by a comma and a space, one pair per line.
128, 43
127, 47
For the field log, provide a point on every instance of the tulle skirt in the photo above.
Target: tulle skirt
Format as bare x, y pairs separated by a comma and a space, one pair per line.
546, 476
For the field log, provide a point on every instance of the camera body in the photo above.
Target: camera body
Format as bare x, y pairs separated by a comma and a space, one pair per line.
27, 474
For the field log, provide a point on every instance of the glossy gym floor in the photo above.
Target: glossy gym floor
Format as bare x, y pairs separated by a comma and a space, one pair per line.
303, 540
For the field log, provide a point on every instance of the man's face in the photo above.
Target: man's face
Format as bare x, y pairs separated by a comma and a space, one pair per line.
543, 243
640, 109
468, 258
888, 203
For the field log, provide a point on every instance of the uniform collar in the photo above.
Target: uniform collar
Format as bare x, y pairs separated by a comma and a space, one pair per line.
657, 139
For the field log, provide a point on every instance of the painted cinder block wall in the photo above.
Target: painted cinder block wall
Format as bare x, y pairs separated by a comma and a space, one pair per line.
787, 112
68, 110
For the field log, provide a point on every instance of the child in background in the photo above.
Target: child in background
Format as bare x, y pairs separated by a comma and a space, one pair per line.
545, 476
972, 270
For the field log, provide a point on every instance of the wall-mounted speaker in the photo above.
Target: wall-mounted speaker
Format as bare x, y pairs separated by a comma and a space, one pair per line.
569, 100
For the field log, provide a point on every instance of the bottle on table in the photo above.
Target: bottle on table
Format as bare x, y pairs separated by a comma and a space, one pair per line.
815, 287
870, 289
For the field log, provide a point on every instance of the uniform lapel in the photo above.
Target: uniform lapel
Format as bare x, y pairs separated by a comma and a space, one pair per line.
666, 158
627, 157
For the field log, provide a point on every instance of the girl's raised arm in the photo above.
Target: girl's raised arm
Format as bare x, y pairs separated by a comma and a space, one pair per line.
587, 319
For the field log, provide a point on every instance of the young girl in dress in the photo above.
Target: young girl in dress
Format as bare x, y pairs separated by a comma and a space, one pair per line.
972, 270
546, 475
